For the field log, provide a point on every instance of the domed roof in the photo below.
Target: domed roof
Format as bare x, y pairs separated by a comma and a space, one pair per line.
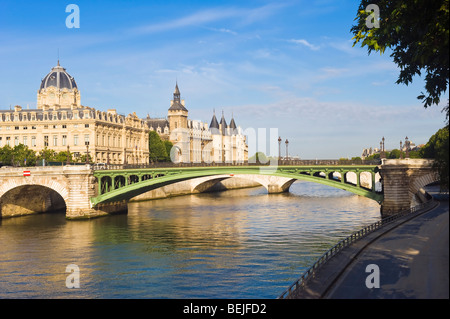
59, 78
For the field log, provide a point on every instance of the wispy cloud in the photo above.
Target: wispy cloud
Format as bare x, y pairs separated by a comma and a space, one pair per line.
200, 18
305, 43
223, 30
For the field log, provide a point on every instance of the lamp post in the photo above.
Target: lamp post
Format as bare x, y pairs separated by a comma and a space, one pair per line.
279, 148
407, 147
287, 153
401, 150
107, 157
68, 155
382, 152
87, 152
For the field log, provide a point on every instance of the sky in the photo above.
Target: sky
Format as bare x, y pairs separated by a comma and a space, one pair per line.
284, 65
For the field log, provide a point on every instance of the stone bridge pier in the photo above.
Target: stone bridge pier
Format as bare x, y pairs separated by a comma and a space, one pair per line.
52, 188
403, 181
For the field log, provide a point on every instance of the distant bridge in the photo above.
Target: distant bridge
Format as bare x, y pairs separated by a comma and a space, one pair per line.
85, 193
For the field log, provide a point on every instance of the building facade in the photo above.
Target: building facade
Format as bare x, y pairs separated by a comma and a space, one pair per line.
61, 123
196, 141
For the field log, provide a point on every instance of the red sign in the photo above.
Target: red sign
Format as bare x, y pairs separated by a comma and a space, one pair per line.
26, 173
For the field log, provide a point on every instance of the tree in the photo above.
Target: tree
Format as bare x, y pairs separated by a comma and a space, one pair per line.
259, 158
437, 148
418, 34
395, 153
6, 155
168, 145
23, 156
156, 147
62, 157
47, 154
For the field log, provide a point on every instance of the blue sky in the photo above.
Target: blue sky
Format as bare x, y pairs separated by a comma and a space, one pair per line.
288, 65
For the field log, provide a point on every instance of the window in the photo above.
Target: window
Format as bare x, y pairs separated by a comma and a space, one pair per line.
8, 141
64, 126
86, 139
46, 140
75, 140
33, 127
16, 128
64, 140
55, 126
86, 125
0, 141
55, 140
25, 127
16, 140
33, 141
25, 140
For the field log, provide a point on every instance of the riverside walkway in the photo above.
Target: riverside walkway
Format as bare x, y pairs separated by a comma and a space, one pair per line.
411, 256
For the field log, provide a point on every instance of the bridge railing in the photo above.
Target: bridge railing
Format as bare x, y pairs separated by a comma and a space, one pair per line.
310, 272
312, 162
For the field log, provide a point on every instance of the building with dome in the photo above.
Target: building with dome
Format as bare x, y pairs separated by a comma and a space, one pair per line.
61, 123
196, 141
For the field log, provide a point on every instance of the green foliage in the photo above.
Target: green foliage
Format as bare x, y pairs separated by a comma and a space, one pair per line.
417, 32
62, 157
23, 156
356, 160
157, 148
20, 155
47, 154
259, 157
6, 155
437, 148
168, 145
395, 153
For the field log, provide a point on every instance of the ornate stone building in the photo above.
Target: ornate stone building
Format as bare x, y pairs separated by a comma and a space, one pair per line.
195, 141
61, 123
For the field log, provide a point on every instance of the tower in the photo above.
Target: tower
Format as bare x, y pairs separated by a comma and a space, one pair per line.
177, 113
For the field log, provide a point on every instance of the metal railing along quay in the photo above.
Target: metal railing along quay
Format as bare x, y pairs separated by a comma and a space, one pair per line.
309, 273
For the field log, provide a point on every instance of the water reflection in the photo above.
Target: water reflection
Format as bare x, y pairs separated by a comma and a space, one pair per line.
234, 244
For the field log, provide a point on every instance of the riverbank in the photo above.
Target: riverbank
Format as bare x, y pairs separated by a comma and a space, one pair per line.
409, 258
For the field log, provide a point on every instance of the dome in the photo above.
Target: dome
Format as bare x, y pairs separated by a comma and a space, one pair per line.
59, 78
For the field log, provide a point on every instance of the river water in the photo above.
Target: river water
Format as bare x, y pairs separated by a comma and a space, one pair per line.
233, 244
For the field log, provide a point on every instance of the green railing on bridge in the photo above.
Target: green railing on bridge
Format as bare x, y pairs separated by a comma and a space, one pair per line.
123, 184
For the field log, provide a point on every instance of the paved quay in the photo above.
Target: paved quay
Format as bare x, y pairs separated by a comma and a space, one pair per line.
408, 259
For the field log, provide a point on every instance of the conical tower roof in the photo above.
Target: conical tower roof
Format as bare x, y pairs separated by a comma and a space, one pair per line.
214, 122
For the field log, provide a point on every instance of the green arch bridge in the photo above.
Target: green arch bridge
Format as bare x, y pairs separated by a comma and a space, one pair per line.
124, 184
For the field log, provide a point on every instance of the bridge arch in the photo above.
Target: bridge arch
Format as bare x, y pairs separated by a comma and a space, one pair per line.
273, 184
26, 198
417, 185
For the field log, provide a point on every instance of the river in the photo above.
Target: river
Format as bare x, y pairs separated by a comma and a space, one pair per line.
233, 244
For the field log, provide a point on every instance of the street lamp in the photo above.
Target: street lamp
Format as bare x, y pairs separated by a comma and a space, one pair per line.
279, 148
87, 152
287, 153
401, 150
407, 143
68, 155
